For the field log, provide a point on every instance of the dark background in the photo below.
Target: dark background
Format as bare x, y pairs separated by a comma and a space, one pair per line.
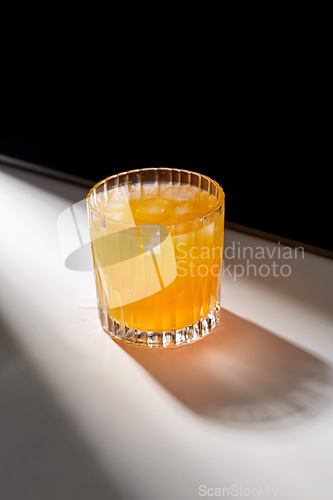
267, 154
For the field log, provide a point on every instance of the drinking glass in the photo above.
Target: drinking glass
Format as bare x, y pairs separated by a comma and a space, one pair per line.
158, 284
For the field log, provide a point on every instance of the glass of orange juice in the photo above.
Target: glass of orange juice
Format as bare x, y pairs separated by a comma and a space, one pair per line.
157, 243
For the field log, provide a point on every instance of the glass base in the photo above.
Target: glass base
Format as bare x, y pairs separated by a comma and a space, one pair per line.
172, 338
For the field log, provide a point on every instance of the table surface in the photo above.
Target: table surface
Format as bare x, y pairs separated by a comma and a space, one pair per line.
248, 409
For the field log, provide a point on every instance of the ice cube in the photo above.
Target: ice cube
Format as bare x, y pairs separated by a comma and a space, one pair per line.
117, 215
151, 210
184, 207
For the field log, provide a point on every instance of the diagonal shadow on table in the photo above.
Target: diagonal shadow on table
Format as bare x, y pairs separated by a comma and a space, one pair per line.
42, 455
241, 375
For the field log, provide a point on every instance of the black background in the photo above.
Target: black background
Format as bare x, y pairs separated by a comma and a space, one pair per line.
266, 150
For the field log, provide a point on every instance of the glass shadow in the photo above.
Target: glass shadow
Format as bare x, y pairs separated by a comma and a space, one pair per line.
241, 375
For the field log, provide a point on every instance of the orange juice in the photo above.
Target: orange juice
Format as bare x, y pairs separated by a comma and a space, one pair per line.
167, 294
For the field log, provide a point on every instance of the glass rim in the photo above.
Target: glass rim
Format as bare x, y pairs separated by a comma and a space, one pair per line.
215, 208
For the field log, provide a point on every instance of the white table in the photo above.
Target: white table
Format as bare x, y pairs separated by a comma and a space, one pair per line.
82, 417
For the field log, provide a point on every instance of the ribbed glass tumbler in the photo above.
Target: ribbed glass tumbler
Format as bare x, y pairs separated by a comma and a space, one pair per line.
157, 245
